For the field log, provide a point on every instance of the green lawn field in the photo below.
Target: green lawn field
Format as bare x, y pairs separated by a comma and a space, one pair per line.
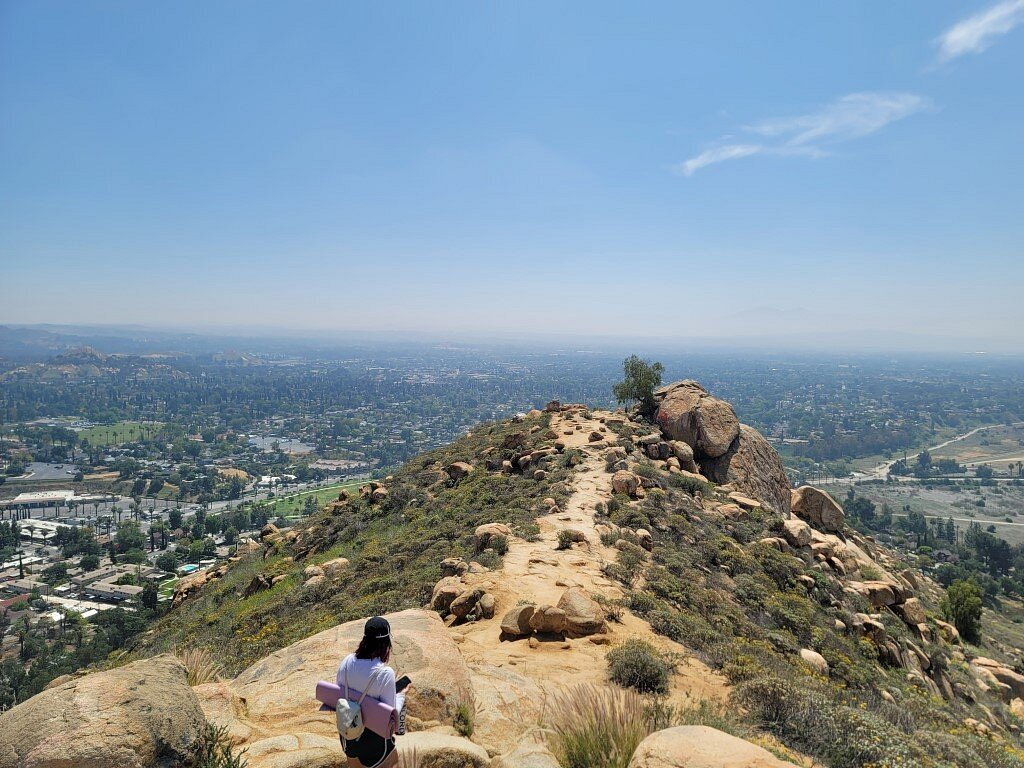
116, 434
293, 504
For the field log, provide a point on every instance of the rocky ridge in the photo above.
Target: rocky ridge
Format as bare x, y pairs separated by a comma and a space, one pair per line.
498, 641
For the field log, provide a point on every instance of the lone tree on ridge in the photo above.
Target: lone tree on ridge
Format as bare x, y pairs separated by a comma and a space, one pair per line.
640, 380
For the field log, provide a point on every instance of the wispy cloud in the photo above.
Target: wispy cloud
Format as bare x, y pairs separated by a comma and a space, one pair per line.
718, 155
850, 117
976, 33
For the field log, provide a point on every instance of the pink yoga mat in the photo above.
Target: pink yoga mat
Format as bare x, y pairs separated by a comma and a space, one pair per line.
378, 716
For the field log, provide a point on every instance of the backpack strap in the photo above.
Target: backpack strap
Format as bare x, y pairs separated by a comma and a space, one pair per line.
369, 683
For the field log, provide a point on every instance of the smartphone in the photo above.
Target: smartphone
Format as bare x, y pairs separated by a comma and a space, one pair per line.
402, 683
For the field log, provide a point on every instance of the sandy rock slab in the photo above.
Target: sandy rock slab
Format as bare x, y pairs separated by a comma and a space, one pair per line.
697, 746
270, 709
133, 716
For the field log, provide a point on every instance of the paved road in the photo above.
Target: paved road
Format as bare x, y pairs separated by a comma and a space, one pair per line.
882, 470
981, 521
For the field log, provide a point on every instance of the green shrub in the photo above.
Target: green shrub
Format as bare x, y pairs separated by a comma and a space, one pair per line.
463, 720
637, 664
646, 470
843, 736
612, 608
962, 605
499, 544
690, 485
565, 539
571, 458
213, 750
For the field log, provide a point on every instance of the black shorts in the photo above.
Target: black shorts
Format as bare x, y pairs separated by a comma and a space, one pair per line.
370, 749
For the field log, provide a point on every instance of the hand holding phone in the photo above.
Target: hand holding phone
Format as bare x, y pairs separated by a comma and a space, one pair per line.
402, 683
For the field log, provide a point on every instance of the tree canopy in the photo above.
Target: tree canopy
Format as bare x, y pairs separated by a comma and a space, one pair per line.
640, 379
962, 605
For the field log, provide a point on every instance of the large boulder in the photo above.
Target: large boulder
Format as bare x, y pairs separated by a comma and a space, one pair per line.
683, 453
534, 754
754, 468
133, 716
516, 622
698, 746
814, 660
458, 470
1002, 673
797, 533
948, 632
912, 612
583, 615
688, 413
625, 482
548, 618
464, 604
817, 508
335, 567
879, 593
269, 704
446, 592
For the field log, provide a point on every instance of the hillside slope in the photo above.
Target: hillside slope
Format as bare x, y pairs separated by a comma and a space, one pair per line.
546, 541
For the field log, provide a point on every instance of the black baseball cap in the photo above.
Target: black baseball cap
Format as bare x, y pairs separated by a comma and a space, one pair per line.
377, 628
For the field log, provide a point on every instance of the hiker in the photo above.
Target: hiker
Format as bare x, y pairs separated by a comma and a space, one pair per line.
366, 672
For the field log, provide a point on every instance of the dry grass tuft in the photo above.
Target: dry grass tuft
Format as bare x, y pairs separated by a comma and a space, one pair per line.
592, 726
201, 666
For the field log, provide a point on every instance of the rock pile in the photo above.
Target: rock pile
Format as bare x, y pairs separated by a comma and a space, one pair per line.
725, 451
686, 412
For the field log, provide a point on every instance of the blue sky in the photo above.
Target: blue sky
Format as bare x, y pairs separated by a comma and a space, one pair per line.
659, 169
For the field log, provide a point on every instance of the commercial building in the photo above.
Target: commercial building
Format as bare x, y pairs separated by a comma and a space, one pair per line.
24, 586
35, 499
98, 575
112, 591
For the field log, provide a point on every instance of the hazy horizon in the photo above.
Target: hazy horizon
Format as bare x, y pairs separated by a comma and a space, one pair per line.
848, 177
162, 338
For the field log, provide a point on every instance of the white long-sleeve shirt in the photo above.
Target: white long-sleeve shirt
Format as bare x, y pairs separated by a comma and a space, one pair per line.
359, 671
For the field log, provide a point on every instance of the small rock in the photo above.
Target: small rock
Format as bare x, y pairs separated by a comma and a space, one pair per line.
486, 606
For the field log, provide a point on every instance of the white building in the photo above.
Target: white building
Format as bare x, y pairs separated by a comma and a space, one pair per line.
38, 499
112, 591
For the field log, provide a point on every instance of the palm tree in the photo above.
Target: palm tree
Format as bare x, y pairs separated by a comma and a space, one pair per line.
159, 527
73, 622
23, 627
